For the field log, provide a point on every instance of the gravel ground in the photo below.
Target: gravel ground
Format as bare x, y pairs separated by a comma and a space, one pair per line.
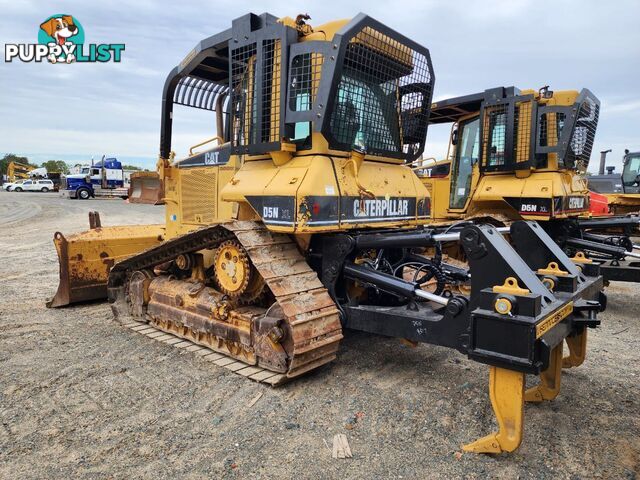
80, 396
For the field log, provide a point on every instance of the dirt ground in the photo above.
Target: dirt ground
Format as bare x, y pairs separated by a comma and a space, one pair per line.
80, 396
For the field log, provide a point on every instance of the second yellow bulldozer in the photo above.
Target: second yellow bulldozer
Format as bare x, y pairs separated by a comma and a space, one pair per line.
303, 219
621, 189
522, 154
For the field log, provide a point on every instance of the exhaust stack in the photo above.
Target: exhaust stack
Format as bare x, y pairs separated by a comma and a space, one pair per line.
603, 161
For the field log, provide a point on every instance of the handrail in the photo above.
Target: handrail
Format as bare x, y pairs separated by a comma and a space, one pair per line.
364, 192
453, 127
418, 166
218, 138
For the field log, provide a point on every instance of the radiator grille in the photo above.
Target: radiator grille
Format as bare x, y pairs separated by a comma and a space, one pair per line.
199, 195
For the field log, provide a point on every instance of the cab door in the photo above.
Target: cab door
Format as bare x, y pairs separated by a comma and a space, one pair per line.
467, 142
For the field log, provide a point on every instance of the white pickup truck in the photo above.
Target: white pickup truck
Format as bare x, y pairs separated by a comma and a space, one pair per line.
33, 186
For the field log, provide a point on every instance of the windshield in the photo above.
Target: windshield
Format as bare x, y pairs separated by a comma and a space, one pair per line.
631, 170
363, 116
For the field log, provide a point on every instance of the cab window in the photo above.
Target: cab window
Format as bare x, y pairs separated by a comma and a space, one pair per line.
467, 152
631, 171
497, 138
362, 116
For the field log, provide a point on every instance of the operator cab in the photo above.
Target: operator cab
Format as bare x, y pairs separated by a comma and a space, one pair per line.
467, 152
505, 131
631, 172
90, 171
276, 83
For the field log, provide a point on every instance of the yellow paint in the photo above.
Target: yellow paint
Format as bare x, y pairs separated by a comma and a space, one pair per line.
549, 386
86, 258
580, 258
623, 203
510, 287
231, 268
552, 320
213, 139
552, 269
16, 171
577, 349
486, 196
207, 195
506, 390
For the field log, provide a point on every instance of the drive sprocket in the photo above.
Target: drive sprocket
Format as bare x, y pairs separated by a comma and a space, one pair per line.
234, 274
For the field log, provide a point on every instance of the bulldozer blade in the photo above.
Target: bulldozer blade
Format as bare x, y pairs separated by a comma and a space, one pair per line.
146, 187
86, 258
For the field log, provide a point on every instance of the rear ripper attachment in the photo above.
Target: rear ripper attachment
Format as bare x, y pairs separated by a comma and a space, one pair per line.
515, 320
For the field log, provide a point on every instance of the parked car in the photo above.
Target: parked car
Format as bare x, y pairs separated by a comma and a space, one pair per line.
34, 186
11, 185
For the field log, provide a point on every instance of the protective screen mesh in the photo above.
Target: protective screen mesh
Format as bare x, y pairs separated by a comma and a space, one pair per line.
494, 135
270, 131
198, 93
305, 74
522, 131
244, 111
549, 128
583, 135
578, 152
381, 104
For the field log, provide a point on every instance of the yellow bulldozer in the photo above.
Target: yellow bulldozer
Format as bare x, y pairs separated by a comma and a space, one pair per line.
522, 154
622, 190
304, 219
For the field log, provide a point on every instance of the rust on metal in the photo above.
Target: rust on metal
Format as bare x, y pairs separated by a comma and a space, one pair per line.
94, 220
299, 331
146, 187
86, 258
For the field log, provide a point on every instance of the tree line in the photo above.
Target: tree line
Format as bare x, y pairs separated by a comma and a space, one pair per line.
51, 165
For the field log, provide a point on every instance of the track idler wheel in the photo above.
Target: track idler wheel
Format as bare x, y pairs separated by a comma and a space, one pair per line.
234, 273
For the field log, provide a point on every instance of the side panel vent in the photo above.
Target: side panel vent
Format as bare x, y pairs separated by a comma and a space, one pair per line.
199, 187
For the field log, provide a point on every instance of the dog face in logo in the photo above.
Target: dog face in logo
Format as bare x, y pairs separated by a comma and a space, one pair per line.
61, 29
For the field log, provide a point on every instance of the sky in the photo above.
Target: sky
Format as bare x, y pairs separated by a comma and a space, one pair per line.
79, 111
